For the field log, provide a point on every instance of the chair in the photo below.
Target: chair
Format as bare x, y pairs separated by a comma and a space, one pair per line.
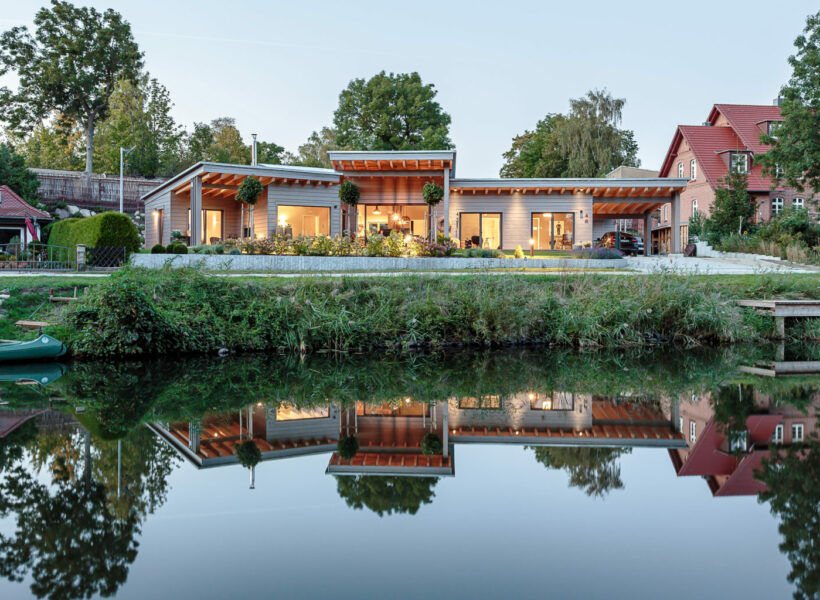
476, 241
214, 240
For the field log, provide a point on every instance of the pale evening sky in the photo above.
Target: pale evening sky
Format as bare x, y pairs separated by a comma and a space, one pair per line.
278, 67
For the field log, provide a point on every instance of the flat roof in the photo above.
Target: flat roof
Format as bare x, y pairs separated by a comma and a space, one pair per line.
393, 160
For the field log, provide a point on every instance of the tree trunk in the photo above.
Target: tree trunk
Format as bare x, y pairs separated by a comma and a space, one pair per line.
89, 147
242, 221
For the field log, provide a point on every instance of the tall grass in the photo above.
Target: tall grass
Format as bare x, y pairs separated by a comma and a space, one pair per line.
171, 311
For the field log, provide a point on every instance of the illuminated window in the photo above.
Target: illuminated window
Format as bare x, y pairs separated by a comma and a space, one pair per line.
293, 221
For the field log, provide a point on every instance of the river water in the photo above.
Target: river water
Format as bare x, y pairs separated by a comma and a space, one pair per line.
516, 473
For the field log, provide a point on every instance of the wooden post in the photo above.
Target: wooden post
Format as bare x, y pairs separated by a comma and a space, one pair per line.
647, 242
780, 327
196, 211
676, 241
446, 202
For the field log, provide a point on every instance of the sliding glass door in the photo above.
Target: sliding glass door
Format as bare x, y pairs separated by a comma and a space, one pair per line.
553, 231
480, 230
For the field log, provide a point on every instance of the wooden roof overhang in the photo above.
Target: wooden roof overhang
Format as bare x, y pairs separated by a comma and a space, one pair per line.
384, 163
222, 180
617, 197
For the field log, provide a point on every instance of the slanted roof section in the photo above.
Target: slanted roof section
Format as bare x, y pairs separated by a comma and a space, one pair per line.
742, 481
745, 119
223, 178
708, 145
13, 206
406, 160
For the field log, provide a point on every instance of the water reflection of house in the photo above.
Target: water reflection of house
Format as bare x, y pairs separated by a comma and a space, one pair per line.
279, 432
390, 437
728, 458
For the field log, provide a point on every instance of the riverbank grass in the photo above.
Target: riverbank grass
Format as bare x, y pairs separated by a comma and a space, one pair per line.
187, 311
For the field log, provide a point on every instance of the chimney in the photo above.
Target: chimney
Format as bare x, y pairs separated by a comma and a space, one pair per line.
253, 151
777, 101
707, 123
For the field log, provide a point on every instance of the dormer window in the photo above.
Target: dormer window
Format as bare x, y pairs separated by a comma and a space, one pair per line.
693, 169
772, 127
680, 170
739, 162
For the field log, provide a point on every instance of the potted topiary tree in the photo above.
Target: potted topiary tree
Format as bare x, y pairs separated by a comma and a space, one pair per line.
432, 195
248, 455
347, 447
248, 193
349, 195
431, 444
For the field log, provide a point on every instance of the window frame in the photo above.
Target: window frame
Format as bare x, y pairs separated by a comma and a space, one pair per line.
693, 431
735, 167
693, 169
795, 428
777, 204
481, 225
800, 200
680, 170
540, 214
694, 207
777, 434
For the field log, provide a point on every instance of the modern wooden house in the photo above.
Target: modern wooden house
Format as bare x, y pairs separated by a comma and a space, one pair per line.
485, 212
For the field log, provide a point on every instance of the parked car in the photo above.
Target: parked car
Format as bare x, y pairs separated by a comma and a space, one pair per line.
630, 244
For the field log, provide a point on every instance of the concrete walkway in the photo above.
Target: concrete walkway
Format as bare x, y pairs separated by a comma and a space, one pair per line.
677, 263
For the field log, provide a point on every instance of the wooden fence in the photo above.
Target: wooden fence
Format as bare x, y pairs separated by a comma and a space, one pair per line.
97, 193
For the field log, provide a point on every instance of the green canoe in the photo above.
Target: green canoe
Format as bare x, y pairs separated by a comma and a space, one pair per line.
41, 372
42, 348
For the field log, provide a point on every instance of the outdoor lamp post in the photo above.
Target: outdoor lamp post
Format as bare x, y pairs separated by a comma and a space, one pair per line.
532, 248
123, 152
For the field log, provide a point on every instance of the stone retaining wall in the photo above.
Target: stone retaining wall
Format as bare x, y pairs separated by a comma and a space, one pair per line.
336, 264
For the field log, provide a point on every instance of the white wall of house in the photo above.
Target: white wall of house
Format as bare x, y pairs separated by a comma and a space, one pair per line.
303, 195
517, 210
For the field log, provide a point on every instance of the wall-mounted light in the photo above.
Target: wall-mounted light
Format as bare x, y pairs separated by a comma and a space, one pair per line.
283, 220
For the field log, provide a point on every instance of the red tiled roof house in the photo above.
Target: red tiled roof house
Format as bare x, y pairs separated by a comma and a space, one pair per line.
13, 213
730, 138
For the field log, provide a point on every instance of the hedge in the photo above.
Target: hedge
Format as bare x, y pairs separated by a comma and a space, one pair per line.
108, 229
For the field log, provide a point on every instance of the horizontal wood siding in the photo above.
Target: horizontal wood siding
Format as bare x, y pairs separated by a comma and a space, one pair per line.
303, 195
517, 209
160, 202
391, 190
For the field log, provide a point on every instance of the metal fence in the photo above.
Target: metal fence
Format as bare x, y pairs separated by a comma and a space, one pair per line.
36, 256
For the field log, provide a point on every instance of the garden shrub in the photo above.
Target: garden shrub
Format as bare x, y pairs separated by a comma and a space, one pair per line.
431, 445
597, 253
519, 252
108, 229
300, 246
347, 447
342, 246
394, 244
158, 249
321, 245
248, 453
375, 246
483, 253
177, 248
234, 252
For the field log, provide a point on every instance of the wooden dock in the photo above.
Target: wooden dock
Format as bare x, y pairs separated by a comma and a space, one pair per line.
783, 309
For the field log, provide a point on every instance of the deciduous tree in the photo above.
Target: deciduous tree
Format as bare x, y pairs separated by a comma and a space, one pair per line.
71, 65
733, 210
313, 153
15, 174
794, 156
391, 112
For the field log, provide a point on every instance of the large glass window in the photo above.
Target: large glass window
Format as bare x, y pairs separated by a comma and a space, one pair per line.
211, 226
777, 206
480, 230
293, 221
553, 231
384, 219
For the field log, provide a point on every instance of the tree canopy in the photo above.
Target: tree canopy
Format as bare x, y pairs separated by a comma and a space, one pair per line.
71, 65
733, 209
391, 112
15, 174
386, 495
594, 470
313, 153
794, 156
586, 142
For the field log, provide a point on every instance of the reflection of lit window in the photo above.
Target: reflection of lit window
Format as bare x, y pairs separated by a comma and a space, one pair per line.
680, 426
552, 401
490, 402
797, 433
738, 442
777, 436
286, 412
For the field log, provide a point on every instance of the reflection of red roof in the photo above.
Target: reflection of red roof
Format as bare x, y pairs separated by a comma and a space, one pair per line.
761, 428
12, 205
621, 432
705, 457
742, 482
11, 420
397, 460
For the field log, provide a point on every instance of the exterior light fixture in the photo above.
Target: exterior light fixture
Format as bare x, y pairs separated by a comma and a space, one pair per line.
377, 211
532, 396
396, 217
283, 220
532, 247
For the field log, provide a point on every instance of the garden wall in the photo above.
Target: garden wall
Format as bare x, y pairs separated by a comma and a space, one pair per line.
297, 264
